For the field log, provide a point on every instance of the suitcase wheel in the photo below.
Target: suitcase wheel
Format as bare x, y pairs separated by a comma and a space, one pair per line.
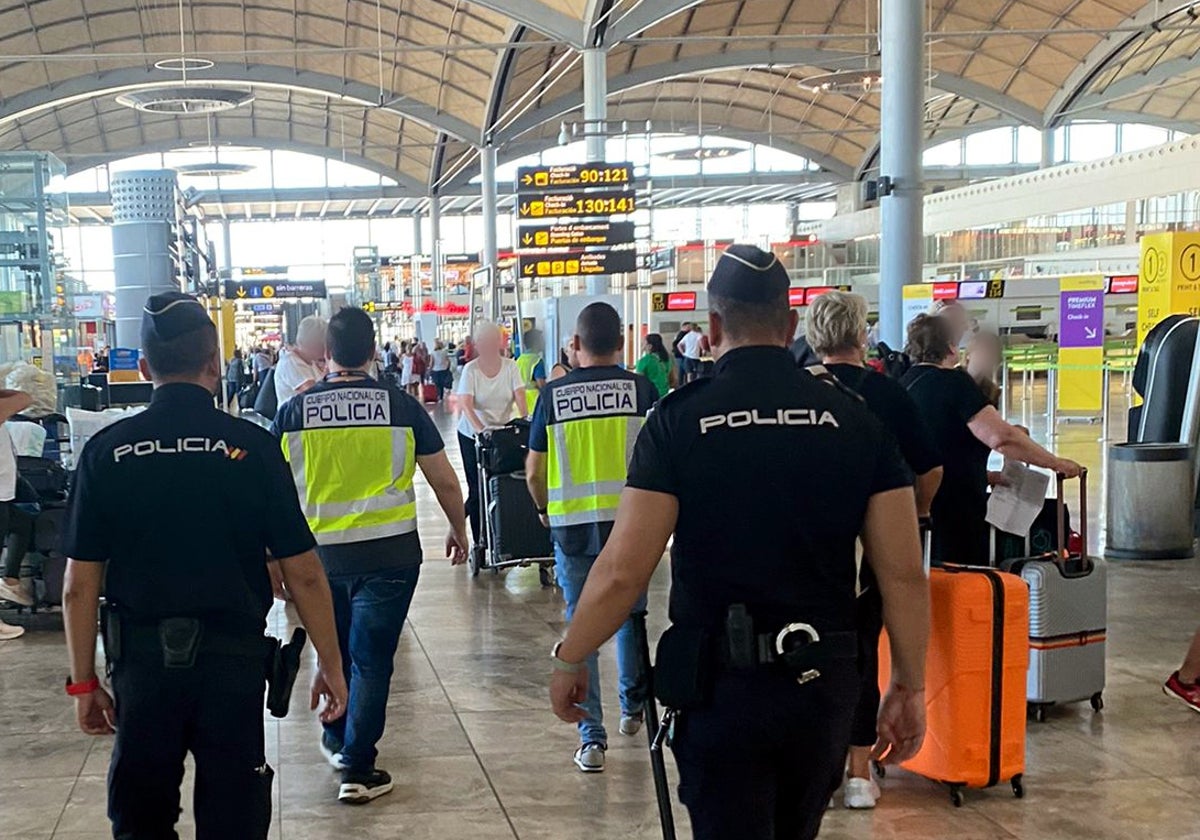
1098, 702
475, 560
956, 796
1018, 786
546, 577
1038, 711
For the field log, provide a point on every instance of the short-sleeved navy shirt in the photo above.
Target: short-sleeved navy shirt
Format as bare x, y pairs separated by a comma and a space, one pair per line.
585, 540
184, 502
891, 403
368, 556
773, 470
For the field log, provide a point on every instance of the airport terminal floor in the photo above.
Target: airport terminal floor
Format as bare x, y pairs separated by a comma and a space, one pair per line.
477, 754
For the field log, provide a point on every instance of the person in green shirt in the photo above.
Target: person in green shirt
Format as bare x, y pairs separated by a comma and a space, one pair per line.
655, 364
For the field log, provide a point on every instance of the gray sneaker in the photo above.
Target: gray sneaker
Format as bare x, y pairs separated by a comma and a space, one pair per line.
590, 758
632, 724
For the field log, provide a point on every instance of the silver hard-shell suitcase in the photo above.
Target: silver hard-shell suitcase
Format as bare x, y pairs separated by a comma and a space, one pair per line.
1068, 617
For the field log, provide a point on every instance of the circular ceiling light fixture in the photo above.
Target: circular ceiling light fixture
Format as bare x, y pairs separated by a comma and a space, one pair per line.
851, 82
213, 169
186, 99
184, 64
702, 153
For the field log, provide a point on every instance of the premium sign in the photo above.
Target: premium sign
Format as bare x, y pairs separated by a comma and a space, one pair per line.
576, 235
580, 204
578, 265
1081, 343
574, 175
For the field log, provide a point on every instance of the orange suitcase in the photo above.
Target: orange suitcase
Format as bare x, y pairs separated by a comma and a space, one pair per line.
975, 680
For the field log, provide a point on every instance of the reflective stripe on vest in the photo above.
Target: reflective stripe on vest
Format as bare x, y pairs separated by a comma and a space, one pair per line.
587, 464
355, 483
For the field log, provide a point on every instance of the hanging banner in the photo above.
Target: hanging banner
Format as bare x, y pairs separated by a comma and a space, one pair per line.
1081, 343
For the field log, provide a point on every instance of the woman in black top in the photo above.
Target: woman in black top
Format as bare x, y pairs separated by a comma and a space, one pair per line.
968, 429
837, 332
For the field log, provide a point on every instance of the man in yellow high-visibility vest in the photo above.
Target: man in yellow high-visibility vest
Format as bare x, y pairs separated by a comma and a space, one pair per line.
580, 442
532, 364
354, 445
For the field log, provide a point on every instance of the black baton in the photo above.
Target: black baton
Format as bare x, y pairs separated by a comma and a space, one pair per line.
658, 764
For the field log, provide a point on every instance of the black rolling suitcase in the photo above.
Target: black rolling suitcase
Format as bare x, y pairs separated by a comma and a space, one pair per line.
516, 530
504, 449
48, 477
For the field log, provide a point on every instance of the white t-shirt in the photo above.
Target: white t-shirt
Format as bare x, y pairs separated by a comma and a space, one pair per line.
691, 345
440, 360
494, 399
291, 373
8, 466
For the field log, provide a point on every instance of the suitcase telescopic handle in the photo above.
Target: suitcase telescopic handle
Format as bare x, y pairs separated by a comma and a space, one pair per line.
1064, 549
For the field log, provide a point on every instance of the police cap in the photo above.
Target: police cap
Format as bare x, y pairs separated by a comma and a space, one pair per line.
170, 315
750, 275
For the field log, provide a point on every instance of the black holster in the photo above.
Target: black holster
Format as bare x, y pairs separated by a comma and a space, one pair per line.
260, 819
110, 635
180, 640
683, 667
283, 664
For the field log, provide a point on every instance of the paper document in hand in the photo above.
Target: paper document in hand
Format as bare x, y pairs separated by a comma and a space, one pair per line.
1013, 507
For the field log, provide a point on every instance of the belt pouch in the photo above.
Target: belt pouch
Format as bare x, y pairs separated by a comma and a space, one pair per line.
180, 639
683, 668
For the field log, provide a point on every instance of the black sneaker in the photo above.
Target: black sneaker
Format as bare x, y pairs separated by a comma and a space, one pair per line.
360, 788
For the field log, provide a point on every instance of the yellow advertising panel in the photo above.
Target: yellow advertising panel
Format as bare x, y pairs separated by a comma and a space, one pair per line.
1080, 379
1081, 343
1170, 278
916, 299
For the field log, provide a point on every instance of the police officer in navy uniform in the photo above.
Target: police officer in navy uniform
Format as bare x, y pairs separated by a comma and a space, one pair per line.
766, 476
174, 511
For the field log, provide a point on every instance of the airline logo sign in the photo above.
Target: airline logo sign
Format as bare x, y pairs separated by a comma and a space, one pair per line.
578, 235
578, 265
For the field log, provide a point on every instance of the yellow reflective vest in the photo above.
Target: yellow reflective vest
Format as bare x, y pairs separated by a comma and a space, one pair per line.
592, 419
353, 461
527, 362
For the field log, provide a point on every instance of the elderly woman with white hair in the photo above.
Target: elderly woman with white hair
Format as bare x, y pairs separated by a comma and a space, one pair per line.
489, 392
837, 332
299, 367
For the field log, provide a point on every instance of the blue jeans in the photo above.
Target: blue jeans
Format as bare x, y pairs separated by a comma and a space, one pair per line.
369, 611
572, 575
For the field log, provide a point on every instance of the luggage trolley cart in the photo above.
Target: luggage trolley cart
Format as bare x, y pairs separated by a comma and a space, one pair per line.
511, 532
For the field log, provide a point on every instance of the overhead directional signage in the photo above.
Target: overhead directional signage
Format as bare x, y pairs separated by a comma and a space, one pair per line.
262, 308
268, 289
576, 235
577, 265
533, 178
600, 203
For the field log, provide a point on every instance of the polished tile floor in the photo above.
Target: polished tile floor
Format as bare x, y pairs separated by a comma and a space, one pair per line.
476, 754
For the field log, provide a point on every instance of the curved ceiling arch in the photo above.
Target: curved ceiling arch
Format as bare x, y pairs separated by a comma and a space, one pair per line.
769, 58
416, 188
115, 81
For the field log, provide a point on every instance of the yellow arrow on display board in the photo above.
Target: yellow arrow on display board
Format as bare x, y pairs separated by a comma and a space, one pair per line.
527, 239
527, 180
241, 291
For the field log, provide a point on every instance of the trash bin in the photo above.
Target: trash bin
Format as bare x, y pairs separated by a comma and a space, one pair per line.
1150, 499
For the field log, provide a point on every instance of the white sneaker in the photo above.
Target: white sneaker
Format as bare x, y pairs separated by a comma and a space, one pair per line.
10, 631
861, 794
632, 724
15, 594
333, 756
590, 758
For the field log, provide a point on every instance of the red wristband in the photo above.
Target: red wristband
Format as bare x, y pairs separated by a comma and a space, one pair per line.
80, 689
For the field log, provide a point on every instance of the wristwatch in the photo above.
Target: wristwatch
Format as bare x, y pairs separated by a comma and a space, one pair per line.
85, 687
560, 665
541, 511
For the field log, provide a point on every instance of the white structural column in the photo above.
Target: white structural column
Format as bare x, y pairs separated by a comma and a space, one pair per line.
418, 245
1047, 148
487, 166
902, 29
595, 128
435, 249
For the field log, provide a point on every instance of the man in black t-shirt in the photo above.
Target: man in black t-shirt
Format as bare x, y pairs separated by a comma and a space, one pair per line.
765, 569
354, 445
173, 511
